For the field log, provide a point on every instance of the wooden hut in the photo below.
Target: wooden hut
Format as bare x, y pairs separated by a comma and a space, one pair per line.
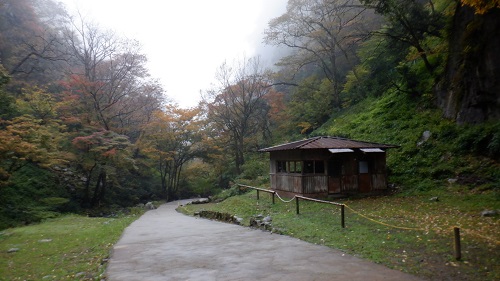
325, 166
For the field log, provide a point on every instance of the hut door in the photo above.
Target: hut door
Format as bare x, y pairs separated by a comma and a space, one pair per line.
334, 175
364, 178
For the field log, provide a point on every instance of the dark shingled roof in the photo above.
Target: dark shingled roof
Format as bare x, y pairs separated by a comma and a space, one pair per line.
327, 143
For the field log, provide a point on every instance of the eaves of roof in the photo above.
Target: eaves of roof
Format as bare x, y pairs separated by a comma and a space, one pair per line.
327, 142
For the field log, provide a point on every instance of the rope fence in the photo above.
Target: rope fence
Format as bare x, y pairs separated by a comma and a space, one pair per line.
383, 223
456, 230
283, 200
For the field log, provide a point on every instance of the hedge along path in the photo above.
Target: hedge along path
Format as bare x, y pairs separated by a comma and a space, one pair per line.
467, 231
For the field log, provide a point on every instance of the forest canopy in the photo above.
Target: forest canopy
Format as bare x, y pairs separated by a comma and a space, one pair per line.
84, 126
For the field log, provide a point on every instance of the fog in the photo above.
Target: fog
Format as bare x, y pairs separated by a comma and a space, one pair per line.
186, 41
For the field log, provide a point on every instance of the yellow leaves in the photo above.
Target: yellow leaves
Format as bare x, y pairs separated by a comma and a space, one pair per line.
305, 127
482, 6
37, 103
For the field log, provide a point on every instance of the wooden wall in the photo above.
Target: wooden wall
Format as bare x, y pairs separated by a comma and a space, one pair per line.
348, 178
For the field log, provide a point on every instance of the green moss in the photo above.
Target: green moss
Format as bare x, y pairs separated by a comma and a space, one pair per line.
467, 153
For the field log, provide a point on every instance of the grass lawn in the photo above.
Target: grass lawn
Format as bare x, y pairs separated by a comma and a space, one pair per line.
67, 248
408, 233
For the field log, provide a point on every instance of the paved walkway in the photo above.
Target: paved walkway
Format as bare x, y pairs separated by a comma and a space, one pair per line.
166, 245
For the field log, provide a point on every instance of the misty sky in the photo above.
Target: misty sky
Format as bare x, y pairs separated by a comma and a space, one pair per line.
186, 41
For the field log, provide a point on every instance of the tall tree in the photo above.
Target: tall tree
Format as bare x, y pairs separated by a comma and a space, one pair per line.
100, 153
110, 78
237, 108
309, 106
7, 109
171, 139
410, 22
324, 34
31, 46
28, 140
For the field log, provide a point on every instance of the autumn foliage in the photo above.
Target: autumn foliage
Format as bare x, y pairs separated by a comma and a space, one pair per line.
83, 124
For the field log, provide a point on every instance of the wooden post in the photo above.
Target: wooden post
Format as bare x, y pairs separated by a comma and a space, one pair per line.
342, 217
273, 196
297, 204
458, 248
257, 194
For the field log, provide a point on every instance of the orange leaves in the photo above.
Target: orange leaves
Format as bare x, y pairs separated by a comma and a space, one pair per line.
102, 145
25, 139
110, 153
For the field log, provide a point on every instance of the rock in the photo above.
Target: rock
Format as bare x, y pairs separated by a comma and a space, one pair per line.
268, 226
425, 137
434, 199
261, 222
149, 206
13, 250
489, 213
80, 274
45, 240
277, 231
237, 220
254, 222
201, 201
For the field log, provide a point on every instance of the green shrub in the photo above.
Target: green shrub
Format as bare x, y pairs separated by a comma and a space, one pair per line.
232, 191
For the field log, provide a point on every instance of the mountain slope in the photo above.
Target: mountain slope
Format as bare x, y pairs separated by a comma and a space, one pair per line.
461, 154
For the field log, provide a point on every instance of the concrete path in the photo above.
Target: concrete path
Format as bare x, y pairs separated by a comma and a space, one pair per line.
166, 245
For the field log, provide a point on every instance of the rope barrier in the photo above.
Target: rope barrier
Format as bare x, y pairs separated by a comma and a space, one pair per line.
473, 233
382, 223
470, 232
283, 200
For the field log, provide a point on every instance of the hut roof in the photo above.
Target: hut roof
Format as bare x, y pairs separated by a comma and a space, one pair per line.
327, 143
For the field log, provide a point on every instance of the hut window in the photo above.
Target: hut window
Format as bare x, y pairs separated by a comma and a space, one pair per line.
363, 167
308, 167
319, 167
281, 166
289, 166
314, 167
295, 167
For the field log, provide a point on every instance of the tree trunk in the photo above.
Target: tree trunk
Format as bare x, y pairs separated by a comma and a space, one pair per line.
470, 89
93, 202
163, 175
238, 154
86, 195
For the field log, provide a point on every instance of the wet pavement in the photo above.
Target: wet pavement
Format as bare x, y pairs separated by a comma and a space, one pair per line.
166, 245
